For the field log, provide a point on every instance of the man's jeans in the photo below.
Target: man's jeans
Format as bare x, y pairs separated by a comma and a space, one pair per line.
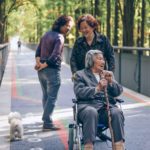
50, 82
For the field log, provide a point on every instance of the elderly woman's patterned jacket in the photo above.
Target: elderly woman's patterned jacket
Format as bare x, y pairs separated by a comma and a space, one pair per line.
84, 88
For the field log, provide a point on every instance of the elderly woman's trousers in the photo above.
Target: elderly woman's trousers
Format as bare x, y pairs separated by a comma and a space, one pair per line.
90, 117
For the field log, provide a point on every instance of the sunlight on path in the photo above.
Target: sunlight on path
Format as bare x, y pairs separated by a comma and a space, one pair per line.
13, 42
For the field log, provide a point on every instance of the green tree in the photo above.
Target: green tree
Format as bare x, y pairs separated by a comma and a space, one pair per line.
6, 8
116, 24
118, 19
108, 4
128, 22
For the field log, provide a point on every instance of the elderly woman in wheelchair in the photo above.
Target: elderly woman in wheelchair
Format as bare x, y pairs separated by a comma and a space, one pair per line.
89, 85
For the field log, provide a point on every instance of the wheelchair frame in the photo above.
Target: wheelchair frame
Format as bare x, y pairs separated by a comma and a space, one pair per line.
75, 129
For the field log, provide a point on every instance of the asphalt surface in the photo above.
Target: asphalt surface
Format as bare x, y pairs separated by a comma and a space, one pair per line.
20, 91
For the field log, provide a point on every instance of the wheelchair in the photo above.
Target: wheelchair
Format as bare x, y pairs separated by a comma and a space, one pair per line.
75, 129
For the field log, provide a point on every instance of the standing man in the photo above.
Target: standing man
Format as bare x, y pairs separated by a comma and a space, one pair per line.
48, 63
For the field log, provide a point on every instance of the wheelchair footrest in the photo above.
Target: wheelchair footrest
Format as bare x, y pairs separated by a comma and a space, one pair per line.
71, 125
104, 137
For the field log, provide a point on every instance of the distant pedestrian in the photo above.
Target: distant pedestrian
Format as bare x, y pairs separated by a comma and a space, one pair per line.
19, 45
90, 39
48, 63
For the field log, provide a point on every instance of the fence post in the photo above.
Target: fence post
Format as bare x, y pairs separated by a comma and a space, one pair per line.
3, 59
139, 70
119, 50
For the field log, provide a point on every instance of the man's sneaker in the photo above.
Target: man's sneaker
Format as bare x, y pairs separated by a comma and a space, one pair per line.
50, 127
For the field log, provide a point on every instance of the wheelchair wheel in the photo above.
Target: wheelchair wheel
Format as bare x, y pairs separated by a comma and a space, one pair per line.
71, 137
77, 145
74, 141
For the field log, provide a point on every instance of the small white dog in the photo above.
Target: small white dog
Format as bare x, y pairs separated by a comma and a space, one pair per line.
16, 126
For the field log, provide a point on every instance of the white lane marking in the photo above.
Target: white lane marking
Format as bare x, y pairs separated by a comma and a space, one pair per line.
34, 139
135, 105
36, 148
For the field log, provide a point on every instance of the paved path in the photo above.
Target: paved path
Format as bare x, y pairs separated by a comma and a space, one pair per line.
20, 91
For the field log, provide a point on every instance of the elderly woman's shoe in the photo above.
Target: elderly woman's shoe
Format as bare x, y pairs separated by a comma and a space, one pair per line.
119, 145
88, 146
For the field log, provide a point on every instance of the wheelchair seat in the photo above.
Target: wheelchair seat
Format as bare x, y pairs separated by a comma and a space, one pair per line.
75, 129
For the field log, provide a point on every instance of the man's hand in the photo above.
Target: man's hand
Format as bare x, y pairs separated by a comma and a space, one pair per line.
37, 66
40, 66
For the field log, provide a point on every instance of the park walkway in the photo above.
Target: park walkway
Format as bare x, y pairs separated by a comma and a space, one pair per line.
20, 91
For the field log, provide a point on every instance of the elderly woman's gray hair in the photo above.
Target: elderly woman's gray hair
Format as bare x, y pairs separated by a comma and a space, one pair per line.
89, 58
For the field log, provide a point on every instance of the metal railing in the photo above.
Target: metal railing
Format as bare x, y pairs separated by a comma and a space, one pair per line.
32, 46
4, 49
133, 68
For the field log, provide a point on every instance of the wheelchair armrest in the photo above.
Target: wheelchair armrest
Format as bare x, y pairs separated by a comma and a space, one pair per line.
74, 100
118, 100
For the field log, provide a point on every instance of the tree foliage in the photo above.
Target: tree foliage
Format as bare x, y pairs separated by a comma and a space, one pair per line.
125, 22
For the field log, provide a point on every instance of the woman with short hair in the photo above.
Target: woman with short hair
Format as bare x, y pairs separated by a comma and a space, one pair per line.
90, 39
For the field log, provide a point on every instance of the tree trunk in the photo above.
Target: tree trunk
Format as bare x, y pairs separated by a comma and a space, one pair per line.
108, 19
138, 42
92, 7
128, 23
2, 21
96, 12
115, 41
83, 9
142, 23
64, 7
77, 13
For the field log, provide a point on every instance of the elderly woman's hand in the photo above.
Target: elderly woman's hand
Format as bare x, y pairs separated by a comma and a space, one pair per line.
101, 85
108, 75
